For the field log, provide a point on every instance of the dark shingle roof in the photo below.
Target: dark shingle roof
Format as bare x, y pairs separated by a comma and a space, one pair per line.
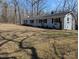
56, 15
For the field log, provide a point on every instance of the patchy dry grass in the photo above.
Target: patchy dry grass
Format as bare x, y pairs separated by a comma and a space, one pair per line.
48, 43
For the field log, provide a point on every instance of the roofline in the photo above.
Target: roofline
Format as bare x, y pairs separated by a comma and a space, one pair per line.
57, 15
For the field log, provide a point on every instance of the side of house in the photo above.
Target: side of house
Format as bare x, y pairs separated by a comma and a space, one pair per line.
69, 21
55, 21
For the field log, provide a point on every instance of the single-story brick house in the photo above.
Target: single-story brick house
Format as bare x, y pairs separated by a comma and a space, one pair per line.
64, 20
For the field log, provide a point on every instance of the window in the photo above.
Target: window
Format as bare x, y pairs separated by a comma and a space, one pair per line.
68, 19
57, 20
40, 21
45, 20
31, 21
67, 22
25, 21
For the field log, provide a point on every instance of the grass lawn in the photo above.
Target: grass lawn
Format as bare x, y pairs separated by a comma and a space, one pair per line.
40, 43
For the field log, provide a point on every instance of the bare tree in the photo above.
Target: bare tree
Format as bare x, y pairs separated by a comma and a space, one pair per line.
4, 12
32, 4
15, 9
36, 6
40, 6
67, 5
19, 12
